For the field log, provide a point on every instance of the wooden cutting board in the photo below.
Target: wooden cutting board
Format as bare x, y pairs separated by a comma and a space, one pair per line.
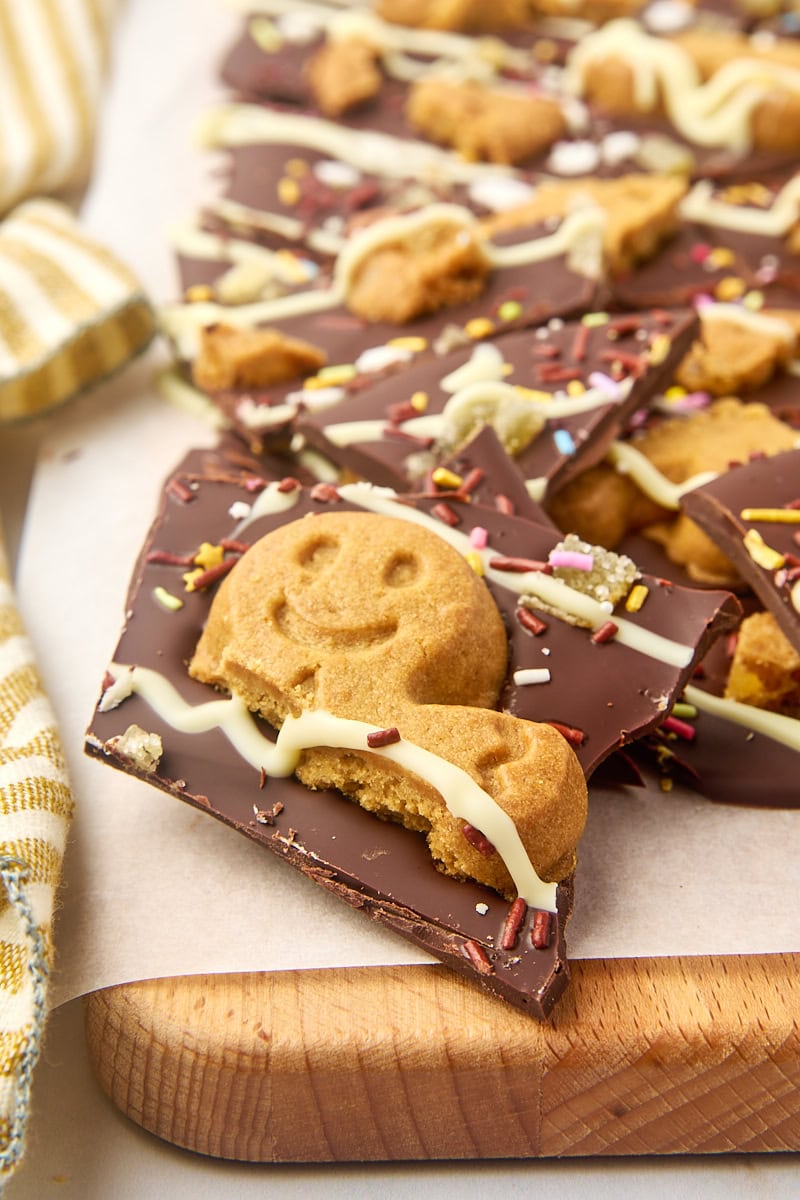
643, 1056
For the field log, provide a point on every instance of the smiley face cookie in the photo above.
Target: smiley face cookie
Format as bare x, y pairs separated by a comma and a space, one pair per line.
374, 619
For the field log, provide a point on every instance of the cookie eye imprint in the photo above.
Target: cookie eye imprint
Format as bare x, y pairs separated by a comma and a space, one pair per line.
319, 555
402, 571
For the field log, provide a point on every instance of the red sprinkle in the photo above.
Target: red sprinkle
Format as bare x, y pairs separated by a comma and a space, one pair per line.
631, 362
383, 737
546, 350
605, 633
478, 840
682, 728
446, 514
206, 578
504, 505
289, 484
625, 324
555, 373
402, 411
180, 490
324, 492
501, 563
234, 547
540, 934
580, 343
530, 621
477, 956
516, 915
400, 435
575, 737
170, 560
471, 480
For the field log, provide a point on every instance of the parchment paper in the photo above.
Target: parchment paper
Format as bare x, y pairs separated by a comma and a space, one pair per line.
154, 888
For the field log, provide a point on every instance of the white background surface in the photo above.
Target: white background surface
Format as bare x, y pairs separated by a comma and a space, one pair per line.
79, 1145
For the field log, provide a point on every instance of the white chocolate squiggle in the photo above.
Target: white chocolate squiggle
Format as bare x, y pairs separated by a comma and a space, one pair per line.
578, 238
627, 460
462, 795
715, 113
552, 591
779, 728
776, 221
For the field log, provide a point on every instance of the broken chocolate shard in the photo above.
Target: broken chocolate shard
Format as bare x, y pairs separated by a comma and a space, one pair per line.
752, 512
379, 867
557, 397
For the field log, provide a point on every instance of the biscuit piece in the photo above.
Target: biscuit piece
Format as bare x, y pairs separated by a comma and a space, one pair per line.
765, 670
726, 432
642, 211
231, 358
602, 506
378, 620
467, 16
693, 79
737, 352
342, 75
436, 266
485, 124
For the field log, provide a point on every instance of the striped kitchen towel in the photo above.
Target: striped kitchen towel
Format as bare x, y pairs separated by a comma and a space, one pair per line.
70, 311
52, 63
35, 810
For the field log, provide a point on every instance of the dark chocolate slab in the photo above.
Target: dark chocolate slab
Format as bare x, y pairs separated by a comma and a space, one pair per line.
556, 357
726, 762
720, 509
376, 866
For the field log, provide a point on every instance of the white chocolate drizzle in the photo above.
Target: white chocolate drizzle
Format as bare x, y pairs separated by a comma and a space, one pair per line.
462, 796
395, 43
757, 322
243, 217
715, 113
557, 595
578, 237
627, 460
776, 221
373, 153
776, 726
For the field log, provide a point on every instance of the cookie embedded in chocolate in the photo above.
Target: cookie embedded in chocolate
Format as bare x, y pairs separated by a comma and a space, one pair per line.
481, 290
752, 513
556, 398
377, 866
203, 528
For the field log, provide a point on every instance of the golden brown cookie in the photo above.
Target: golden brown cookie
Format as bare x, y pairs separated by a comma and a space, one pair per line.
602, 506
467, 16
343, 74
436, 264
765, 670
485, 124
710, 440
379, 620
231, 358
642, 211
736, 352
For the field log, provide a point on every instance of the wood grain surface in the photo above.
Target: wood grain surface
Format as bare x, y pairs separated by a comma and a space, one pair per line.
643, 1056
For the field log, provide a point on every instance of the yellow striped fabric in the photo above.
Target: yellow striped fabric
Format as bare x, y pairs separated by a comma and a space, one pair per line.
70, 313
52, 62
35, 811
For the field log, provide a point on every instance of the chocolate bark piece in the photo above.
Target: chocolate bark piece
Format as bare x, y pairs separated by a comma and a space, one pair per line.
735, 243
376, 866
594, 374
559, 283
730, 754
743, 512
490, 479
381, 868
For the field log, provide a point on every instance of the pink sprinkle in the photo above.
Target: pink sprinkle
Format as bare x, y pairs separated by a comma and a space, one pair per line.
682, 728
691, 401
699, 252
478, 537
702, 300
571, 559
605, 383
